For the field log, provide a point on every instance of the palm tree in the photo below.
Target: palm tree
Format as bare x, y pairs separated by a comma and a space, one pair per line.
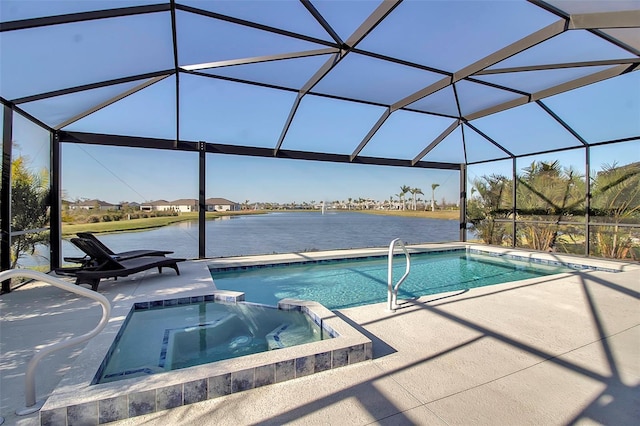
414, 192
547, 192
403, 190
487, 209
349, 205
433, 196
399, 197
616, 199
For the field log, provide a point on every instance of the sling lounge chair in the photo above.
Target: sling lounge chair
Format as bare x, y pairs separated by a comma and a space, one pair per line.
87, 260
122, 255
106, 266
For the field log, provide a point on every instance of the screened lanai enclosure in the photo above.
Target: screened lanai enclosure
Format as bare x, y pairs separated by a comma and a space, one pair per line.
521, 116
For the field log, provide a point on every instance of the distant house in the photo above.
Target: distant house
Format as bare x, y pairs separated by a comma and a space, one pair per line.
186, 205
183, 205
221, 205
153, 205
132, 205
94, 204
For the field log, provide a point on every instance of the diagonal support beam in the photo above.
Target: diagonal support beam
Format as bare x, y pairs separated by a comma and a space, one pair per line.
369, 135
285, 129
91, 86
109, 102
562, 122
324, 69
381, 12
323, 22
560, 66
259, 59
570, 85
592, 21
436, 141
365, 28
438, 85
583, 81
81, 17
502, 54
491, 140
616, 41
513, 49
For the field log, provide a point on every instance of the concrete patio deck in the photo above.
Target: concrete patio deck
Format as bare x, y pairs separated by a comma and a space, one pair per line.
556, 350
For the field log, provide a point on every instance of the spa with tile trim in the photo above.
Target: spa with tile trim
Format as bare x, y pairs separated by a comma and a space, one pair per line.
78, 399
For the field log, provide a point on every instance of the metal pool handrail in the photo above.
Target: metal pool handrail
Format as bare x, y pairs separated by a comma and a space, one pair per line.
392, 291
30, 381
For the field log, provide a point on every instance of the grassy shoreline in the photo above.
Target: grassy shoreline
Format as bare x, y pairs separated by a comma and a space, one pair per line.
438, 214
143, 224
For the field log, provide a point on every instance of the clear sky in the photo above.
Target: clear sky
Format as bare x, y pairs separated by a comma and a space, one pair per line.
117, 175
220, 111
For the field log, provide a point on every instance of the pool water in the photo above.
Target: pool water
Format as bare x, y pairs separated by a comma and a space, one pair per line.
169, 338
349, 283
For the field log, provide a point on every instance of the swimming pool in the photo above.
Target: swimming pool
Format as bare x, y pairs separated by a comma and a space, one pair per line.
79, 400
165, 338
339, 284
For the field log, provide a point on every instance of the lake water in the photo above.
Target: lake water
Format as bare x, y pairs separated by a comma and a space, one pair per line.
283, 233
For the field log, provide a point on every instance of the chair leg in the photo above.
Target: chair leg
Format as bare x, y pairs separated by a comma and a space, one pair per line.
93, 282
174, 267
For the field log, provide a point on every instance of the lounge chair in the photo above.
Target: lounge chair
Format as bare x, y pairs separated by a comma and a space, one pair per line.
105, 265
87, 260
122, 255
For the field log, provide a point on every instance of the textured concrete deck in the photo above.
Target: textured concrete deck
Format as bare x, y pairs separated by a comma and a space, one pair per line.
556, 350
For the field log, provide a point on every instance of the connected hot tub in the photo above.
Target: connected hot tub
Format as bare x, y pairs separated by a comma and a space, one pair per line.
157, 338
221, 345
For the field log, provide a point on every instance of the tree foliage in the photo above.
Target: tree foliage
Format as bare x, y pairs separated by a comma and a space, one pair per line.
548, 195
616, 199
547, 192
485, 208
29, 209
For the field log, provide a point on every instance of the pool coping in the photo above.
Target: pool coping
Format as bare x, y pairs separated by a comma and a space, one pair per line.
77, 400
548, 258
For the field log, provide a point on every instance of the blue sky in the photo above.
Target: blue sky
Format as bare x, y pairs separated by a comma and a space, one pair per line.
220, 111
118, 173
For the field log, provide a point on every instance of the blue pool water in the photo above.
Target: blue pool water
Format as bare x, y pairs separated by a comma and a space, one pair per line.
174, 337
349, 283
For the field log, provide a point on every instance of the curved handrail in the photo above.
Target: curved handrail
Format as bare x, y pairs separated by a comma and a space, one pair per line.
392, 291
30, 382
